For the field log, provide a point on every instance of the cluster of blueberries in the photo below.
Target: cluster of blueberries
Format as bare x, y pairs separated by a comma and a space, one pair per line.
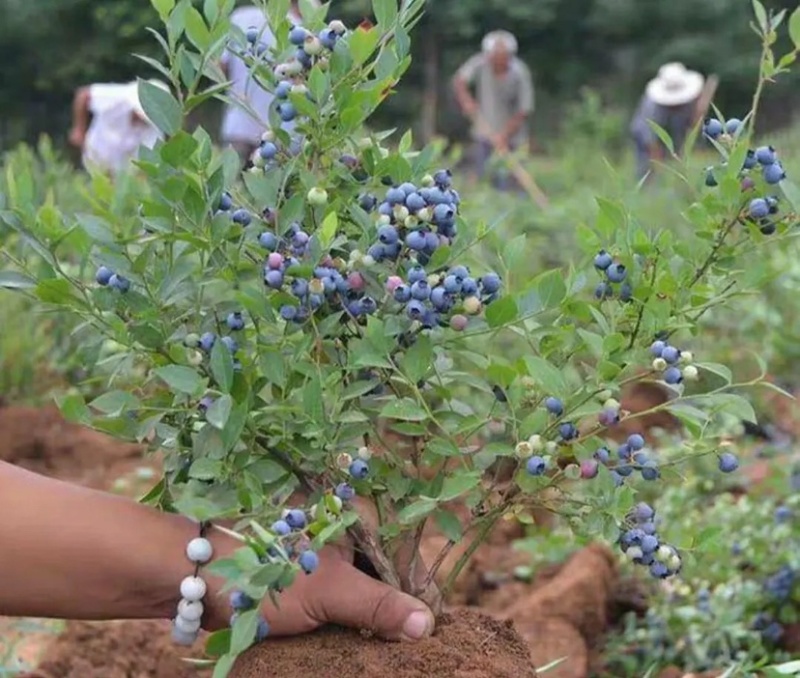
641, 543
310, 49
761, 210
107, 278
668, 359
615, 274
779, 587
632, 456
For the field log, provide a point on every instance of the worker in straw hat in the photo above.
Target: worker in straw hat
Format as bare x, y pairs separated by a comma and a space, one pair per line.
503, 100
670, 101
109, 125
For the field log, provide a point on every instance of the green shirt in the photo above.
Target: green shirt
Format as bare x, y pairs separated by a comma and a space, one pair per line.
499, 98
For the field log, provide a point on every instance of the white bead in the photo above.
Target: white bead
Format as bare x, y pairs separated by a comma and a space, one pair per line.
199, 550
181, 637
191, 610
186, 625
193, 588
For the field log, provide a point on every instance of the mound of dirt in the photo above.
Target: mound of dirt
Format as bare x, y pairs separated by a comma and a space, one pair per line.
124, 649
466, 644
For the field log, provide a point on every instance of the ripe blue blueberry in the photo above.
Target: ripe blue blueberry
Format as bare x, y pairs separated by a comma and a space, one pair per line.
205, 403
624, 470
309, 561
732, 125
625, 292
345, 492
443, 178
672, 375
268, 150
602, 455
416, 273
235, 321
369, 305
603, 291
225, 202
387, 234
782, 514
241, 216
766, 155
750, 160
282, 89
262, 629
712, 128
297, 36
535, 465
103, 275
728, 462
274, 279
415, 202
648, 543
602, 260
657, 348
251, 34
296, 519
230, 343
635, 441
359, 469
670, 354
328, 38
415, 309
490, 283
554, 406
568, 431
281, 528
415, 240
239, 600
643, 512
395, 196
368, 202
269, 241
440, 299
119, 283
616, 273
650, 471
207, 341
288, 312
758, 208
625, 452
469, 287
452, 284
299, 287
402, 293
710, 178
773, 174
420, 290
287, 111
443, 213
659, 570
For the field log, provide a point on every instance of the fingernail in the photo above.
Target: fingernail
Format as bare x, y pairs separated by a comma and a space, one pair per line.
418, 625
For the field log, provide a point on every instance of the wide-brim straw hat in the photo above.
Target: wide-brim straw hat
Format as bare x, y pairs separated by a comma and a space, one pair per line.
675, 85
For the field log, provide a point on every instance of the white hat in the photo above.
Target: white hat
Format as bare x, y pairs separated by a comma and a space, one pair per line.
675, 85
495, 38
133, 96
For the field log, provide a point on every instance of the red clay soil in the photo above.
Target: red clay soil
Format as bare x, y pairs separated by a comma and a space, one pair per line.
466, 644
117, 650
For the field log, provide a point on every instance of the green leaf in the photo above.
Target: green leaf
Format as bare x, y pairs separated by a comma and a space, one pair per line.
182, 379
548, 378
312, 399
12, 280
222, 366
224, 665
196, 29
501, 312
792, 192
327, 232
761, 15
363, 43
385, 12
552, 288
720, 370
55, 291
404, 409
244, 630
163, 7
115, 403
74, 409
794, 29
178, 149
161, 107
416, 511
217, 415
459, 483
662, 134
418, 359
449, 524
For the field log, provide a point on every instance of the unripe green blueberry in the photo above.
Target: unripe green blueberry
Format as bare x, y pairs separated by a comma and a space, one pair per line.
434, 279
195, 358
269, 135
316, 286
686, 357
472, 305
258, 161
659, 364
536, 442
523, 449
690, 373
192, 340
364, 453
424, 215
255, 169
611, 404
551, 447
368, 261
312, 45
427, 181
401, 212
337, 504
317, 196
664, 553
337, 27
323, 63
572, 472
299, 88
605, 395
411, 222
384, 152
383, 220
356, 256
294, 67
364, 143
343, 461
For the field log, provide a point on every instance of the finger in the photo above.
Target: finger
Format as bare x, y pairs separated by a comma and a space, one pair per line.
359, 601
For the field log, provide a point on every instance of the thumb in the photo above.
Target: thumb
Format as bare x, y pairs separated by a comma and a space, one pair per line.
359, 601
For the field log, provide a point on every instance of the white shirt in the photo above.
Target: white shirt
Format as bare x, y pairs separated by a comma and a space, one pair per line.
237, 123
115, 135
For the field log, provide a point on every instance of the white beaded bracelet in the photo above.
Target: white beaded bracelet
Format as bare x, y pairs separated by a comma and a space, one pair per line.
186, 625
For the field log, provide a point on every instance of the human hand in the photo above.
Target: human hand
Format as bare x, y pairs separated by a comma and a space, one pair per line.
337, 593
470, 107
77, 137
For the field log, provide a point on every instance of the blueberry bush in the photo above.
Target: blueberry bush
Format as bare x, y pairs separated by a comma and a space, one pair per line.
322, 340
